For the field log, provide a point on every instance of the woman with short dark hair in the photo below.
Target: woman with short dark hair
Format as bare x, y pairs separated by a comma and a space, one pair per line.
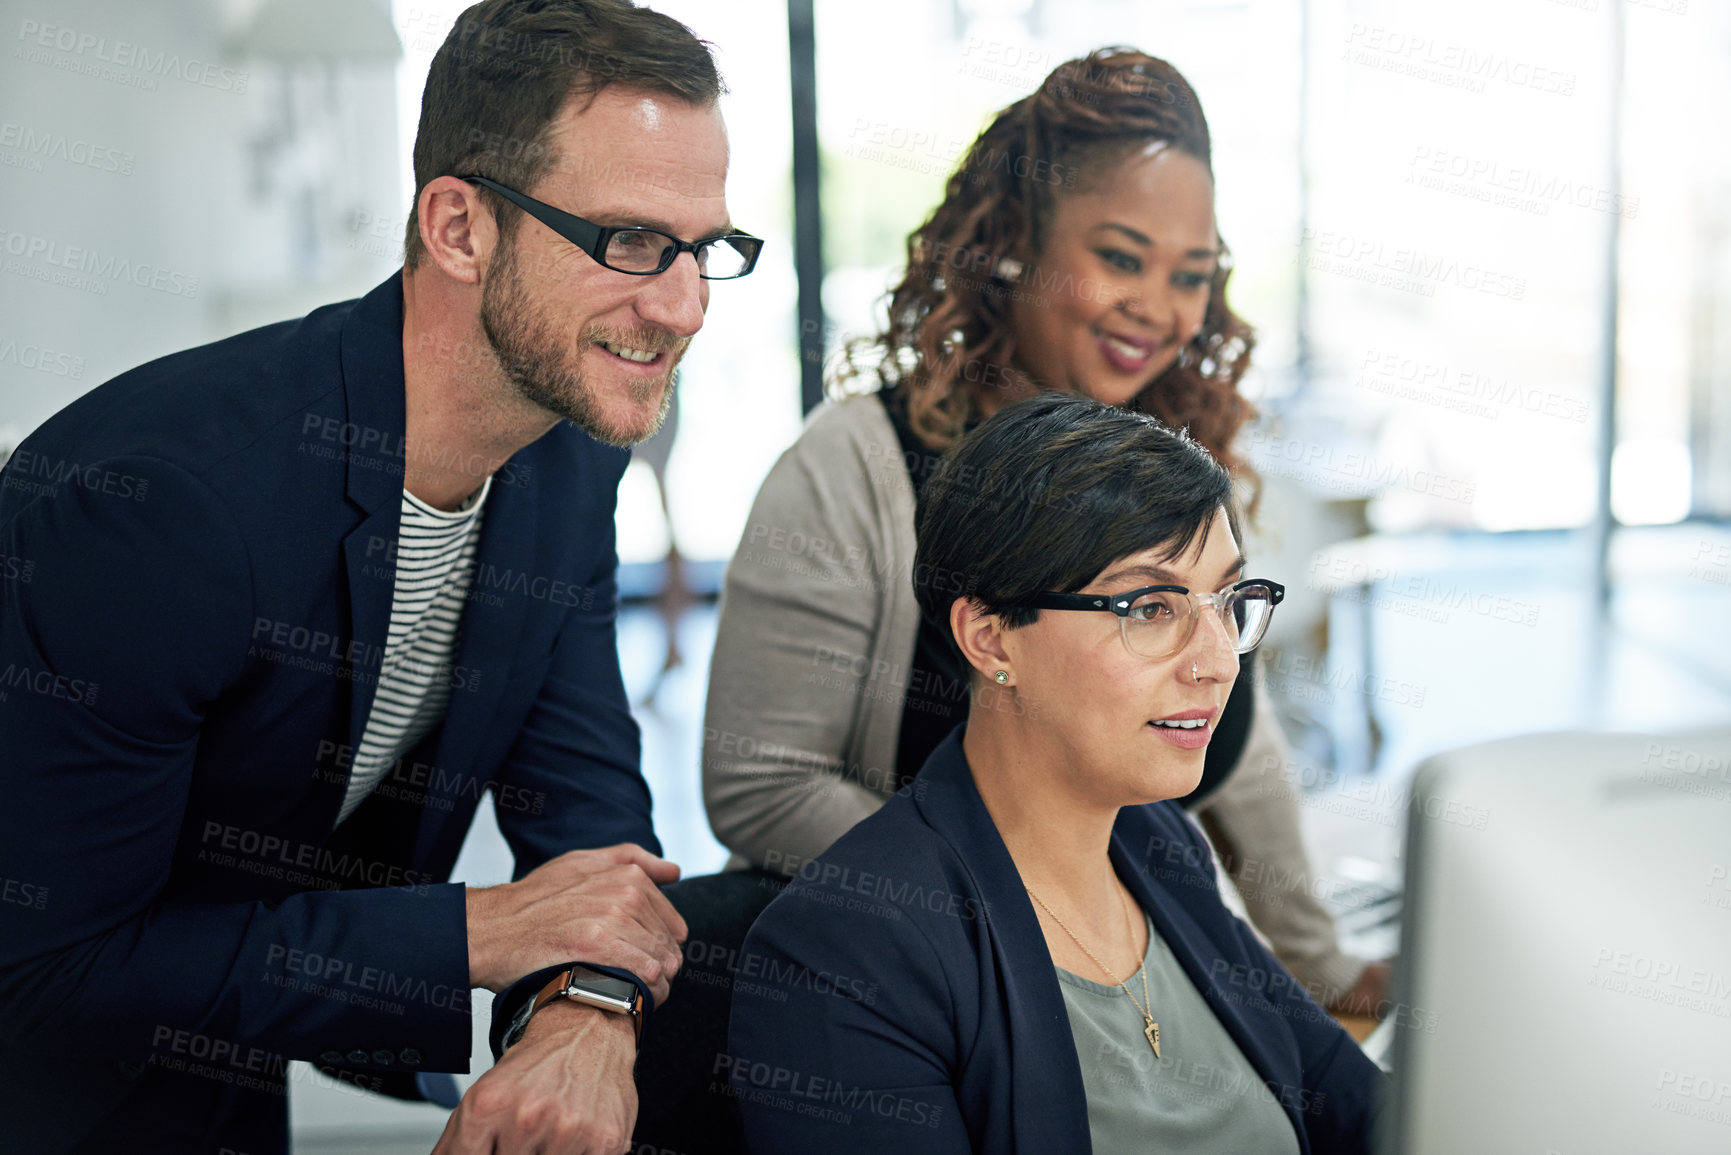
1024, 950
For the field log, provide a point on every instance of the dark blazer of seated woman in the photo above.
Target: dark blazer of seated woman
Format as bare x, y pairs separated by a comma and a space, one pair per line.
904, 987
913, 990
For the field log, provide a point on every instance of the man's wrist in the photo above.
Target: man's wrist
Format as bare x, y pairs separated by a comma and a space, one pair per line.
615, 994
475, 929
563, 1018
519, 997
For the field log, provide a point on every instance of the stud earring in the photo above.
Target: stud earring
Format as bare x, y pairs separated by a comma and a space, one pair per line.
1009, 269
1002, 677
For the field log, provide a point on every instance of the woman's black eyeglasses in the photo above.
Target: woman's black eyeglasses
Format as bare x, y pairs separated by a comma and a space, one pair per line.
639, 251
1158, 621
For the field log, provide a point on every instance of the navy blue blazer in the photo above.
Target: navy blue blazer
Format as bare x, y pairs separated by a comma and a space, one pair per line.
196, 567
906, 1002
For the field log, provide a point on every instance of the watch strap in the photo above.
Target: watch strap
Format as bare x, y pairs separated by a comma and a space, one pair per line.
552, 990
555, 988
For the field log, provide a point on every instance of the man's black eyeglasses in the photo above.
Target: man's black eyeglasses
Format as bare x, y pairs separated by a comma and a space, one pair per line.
638, 251
1158, 621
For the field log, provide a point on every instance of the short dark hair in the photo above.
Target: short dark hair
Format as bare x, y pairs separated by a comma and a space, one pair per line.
506, 70
1051, 491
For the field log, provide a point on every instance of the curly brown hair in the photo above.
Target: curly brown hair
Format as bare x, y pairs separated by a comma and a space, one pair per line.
1085, 118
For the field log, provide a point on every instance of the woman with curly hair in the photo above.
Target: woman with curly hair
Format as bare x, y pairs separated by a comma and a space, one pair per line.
1075, 251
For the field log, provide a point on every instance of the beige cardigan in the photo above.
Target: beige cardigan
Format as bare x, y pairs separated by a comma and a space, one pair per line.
812, 658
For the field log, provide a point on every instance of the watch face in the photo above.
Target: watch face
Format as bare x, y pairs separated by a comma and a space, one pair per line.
582, 978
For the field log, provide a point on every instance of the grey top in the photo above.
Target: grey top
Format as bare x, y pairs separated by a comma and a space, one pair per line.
1201, 1096
812, 658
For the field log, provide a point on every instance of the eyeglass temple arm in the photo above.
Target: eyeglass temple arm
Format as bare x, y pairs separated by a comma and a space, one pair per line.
1116, 605
1054, 601
575, 229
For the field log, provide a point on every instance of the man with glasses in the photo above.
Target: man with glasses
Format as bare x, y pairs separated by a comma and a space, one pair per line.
300, 597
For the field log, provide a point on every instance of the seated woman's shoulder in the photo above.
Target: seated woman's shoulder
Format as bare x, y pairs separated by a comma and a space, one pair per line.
853, 421
892, 870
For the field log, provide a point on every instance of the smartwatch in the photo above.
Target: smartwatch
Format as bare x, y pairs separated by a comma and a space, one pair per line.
581, 984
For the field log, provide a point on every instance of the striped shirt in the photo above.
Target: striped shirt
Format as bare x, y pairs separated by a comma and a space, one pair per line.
435, 564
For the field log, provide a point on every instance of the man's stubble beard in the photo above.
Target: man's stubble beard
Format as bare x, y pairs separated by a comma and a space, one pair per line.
542, 367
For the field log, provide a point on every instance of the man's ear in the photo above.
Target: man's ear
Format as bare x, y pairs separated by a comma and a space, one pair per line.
457, 230
980, 635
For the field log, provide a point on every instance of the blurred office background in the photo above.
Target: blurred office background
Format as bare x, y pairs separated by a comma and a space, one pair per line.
1486, 246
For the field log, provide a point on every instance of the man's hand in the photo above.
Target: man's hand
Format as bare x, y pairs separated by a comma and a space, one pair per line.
564, 1089
592, 906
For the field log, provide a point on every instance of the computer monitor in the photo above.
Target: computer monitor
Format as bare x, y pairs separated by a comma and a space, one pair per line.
1564, 984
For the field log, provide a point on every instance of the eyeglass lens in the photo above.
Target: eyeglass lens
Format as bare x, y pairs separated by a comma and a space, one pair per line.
1159, 624
644, 250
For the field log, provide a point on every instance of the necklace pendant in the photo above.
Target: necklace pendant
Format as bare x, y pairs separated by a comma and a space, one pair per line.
1152, 1033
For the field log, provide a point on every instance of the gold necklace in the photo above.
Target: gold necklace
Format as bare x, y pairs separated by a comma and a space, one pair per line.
1150, 1028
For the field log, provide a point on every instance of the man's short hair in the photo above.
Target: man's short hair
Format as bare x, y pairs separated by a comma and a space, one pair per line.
508, 67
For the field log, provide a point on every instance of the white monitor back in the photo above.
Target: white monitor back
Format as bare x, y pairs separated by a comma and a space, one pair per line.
1565, 977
